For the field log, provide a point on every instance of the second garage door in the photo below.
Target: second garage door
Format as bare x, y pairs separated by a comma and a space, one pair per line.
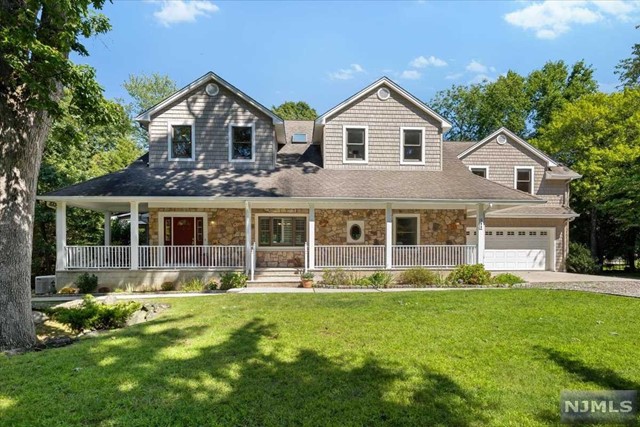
516, 248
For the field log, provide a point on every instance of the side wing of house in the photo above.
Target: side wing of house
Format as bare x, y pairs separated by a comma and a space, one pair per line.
211, 125
383, 128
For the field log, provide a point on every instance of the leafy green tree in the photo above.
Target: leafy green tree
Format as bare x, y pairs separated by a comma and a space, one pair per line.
599, 137
36, 38
628, 69
291, 110
461, 105
77, 150
146, 91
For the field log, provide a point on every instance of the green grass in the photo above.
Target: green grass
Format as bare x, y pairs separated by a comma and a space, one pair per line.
494, 357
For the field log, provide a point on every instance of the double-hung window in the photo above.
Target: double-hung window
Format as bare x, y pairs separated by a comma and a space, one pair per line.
282, 231
241, 143
523, 178
412, 145
355, 144
181, 141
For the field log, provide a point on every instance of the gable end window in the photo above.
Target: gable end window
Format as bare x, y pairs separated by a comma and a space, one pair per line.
412, 145
523, 179
241, 143
482, 171
355, 144
181, 141
299, 138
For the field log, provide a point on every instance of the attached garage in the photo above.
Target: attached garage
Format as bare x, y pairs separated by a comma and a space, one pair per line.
517, 248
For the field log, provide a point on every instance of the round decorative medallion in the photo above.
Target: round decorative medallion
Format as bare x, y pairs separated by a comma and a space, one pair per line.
383, 93
501, 139
212, 89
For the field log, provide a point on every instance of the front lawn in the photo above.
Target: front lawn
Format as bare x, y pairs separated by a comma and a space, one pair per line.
497, 357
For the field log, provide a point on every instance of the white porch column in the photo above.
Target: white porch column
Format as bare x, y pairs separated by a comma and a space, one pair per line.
480, 231
107, 228
247, 234
312, 237
134, 235
61, 235
388, 240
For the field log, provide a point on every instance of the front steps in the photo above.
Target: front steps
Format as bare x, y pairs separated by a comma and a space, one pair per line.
275, 277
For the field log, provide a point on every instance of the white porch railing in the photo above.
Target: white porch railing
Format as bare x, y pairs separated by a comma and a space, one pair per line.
365, 256
191, 257
432, 255
99, 257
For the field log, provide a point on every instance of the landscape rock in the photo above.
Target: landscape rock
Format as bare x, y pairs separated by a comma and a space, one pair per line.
39, 317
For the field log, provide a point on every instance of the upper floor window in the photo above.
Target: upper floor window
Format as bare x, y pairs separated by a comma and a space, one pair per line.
523, 178
299, 138
181, 141
355, 144
241, 143
482, 171
412, 145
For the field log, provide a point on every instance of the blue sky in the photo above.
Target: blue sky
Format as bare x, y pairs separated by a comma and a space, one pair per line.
323, 52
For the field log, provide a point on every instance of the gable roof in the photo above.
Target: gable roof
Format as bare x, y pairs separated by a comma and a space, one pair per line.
514, 137
145, 116
386, 81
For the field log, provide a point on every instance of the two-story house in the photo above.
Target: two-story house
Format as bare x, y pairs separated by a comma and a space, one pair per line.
370, 184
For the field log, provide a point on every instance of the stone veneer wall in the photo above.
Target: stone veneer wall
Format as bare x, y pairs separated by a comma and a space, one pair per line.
440, 226
224, 226
331, 225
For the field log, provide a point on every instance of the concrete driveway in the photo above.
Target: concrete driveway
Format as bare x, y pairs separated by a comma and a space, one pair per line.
556, 277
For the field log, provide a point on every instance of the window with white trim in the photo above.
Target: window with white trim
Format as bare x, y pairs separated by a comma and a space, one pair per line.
181, 142
524, 178
407, 230
282, 231
299, 138
479, 170
242, 140
412, 145
355, 144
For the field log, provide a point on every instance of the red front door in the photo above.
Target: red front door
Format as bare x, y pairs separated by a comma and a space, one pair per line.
184, 231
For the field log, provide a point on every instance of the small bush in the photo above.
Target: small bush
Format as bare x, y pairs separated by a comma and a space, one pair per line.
104, 290
418, 276
335, 277
168, 286
68, 290
507, 279
354, 280
211, 285
233, 279
470, 275
380, 279
87, 283
580, 260
94, 315
193, 285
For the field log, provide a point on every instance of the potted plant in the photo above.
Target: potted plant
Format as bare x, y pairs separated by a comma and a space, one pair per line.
306, 279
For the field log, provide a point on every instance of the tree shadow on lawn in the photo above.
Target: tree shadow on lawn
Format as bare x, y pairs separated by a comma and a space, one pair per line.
605, 378
243, 380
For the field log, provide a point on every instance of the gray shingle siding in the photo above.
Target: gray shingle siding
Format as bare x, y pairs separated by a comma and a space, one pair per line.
384, 120
212, 116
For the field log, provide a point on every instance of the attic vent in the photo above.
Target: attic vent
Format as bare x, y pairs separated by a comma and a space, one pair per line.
299, 138
383, 93
501, 139
212, 89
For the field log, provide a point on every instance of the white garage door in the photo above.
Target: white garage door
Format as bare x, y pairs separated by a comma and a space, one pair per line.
516, 248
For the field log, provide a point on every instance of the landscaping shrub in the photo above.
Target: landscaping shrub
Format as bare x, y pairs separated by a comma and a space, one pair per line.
354, 280
580, 260
68, 290
211, 285
380, 279
233, 279
507, 279
470, 275
168, 286
87, 283
193, 285
335, 277
94, 315
418, 276
104, 290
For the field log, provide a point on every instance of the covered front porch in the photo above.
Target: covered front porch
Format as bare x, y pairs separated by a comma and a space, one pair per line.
210, 236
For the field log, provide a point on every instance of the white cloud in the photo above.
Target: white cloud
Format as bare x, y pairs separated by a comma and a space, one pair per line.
481, 78
179, 11
476, 67
422, 62
410, 75
454, 76
346, 73
549, 19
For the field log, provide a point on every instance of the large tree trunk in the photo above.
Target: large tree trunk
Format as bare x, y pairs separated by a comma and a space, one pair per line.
22, 137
